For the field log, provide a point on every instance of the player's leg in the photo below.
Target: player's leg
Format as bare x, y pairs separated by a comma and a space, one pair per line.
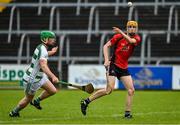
109, 88
49, 90
29, 94
128, 83
22, 104
99, 93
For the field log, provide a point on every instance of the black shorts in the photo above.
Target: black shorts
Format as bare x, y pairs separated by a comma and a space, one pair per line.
118, 72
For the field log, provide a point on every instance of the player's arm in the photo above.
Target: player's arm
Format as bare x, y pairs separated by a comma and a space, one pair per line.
105, 52
129, 39
53, 51
47, 71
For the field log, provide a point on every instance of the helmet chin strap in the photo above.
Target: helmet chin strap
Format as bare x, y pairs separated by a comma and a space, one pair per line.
51, 46
131, 34
44, 43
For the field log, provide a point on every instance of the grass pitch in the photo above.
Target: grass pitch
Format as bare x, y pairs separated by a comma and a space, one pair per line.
149, 107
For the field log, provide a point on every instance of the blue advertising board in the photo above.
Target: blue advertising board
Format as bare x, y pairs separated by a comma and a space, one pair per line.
153, 78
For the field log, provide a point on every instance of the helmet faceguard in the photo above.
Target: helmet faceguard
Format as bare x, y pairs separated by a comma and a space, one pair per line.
132, 27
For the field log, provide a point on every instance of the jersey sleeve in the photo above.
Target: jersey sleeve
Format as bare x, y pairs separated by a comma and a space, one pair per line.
116, 38
138, 40
44, 53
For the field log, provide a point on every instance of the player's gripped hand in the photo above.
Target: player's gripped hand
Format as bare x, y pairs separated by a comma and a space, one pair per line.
106, 63
117, 30
54, 49
55, 79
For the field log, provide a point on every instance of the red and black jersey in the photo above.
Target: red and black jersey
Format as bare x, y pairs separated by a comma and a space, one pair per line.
122, 50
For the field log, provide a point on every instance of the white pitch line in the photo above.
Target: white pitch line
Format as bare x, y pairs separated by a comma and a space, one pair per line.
150, 113
96, 116
95, 124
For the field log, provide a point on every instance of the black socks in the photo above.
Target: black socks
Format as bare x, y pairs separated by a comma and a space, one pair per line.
87, 101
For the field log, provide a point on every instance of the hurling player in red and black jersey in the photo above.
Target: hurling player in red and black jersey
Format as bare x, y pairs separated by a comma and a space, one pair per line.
124, 44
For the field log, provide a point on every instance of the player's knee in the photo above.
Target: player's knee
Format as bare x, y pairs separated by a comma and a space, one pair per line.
109, 90
131, 91
28, 99
52, 92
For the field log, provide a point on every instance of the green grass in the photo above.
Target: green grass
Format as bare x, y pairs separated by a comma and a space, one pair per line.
150, 107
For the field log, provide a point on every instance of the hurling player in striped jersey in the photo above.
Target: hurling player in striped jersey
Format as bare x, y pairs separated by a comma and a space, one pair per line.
117, 66
37, 74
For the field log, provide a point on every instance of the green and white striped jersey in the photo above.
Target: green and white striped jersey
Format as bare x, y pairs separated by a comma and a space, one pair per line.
34, 72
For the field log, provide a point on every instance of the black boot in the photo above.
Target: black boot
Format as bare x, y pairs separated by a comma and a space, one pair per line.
36, 104
14, 114
84, 106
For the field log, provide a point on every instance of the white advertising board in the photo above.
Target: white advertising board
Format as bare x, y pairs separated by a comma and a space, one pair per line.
83, 74
11, 72
176, 78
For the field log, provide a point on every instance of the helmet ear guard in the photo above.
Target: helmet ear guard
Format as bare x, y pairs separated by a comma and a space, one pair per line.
46, 35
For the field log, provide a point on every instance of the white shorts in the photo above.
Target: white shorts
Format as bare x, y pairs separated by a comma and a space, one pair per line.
30, 88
